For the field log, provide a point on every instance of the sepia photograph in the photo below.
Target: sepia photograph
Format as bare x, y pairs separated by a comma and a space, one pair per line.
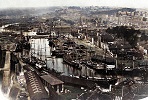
73, 50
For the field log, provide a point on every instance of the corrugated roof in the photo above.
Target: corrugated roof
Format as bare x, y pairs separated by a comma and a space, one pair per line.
52, 79
35, 87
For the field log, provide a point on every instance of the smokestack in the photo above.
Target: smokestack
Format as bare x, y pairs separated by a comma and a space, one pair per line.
133, 62
99, 41
116, 62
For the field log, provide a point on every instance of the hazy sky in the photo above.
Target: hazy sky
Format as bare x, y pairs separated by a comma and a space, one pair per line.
46, 3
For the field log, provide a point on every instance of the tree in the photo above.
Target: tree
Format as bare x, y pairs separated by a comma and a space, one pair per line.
127, 33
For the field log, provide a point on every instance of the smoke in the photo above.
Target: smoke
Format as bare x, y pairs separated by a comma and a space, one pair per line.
2, 95
144, 98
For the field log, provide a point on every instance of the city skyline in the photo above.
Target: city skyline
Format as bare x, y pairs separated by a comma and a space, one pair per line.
47, 3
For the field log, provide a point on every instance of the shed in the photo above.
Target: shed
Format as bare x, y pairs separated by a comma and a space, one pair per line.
50, 80
35, 87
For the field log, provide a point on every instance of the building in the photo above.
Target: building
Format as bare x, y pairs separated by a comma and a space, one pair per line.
50, 80
35, 87
62, 29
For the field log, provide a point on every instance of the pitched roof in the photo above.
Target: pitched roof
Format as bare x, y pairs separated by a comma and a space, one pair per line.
52, 79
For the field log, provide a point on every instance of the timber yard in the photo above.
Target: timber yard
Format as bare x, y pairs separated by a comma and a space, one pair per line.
74, 53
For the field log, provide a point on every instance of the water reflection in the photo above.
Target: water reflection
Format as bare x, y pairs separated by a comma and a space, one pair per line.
41, 49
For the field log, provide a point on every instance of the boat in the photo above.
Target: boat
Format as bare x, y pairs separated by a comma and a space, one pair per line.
26, 45
34, 62
57, 52
103, 82
67, 58
41, 32
40, 64
19, 47
69, 43
51, 43
30, 60
52, 37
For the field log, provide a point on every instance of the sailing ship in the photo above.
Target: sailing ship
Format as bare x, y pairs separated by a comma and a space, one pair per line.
40, 62
40, 31
57, 52
71, 60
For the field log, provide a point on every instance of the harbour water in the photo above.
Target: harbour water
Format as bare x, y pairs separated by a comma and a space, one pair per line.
41, 49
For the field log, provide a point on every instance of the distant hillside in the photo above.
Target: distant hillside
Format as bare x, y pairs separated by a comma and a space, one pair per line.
26, 11
110, 12
11, 12
40, 11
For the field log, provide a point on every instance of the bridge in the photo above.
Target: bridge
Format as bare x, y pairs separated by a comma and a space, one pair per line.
6, 75
9, 48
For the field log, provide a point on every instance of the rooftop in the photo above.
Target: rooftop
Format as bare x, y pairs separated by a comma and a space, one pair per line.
51, 79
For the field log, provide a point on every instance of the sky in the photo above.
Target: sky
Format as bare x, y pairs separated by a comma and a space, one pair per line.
48, 3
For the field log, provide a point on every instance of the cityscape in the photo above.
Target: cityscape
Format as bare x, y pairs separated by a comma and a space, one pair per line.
74, 53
